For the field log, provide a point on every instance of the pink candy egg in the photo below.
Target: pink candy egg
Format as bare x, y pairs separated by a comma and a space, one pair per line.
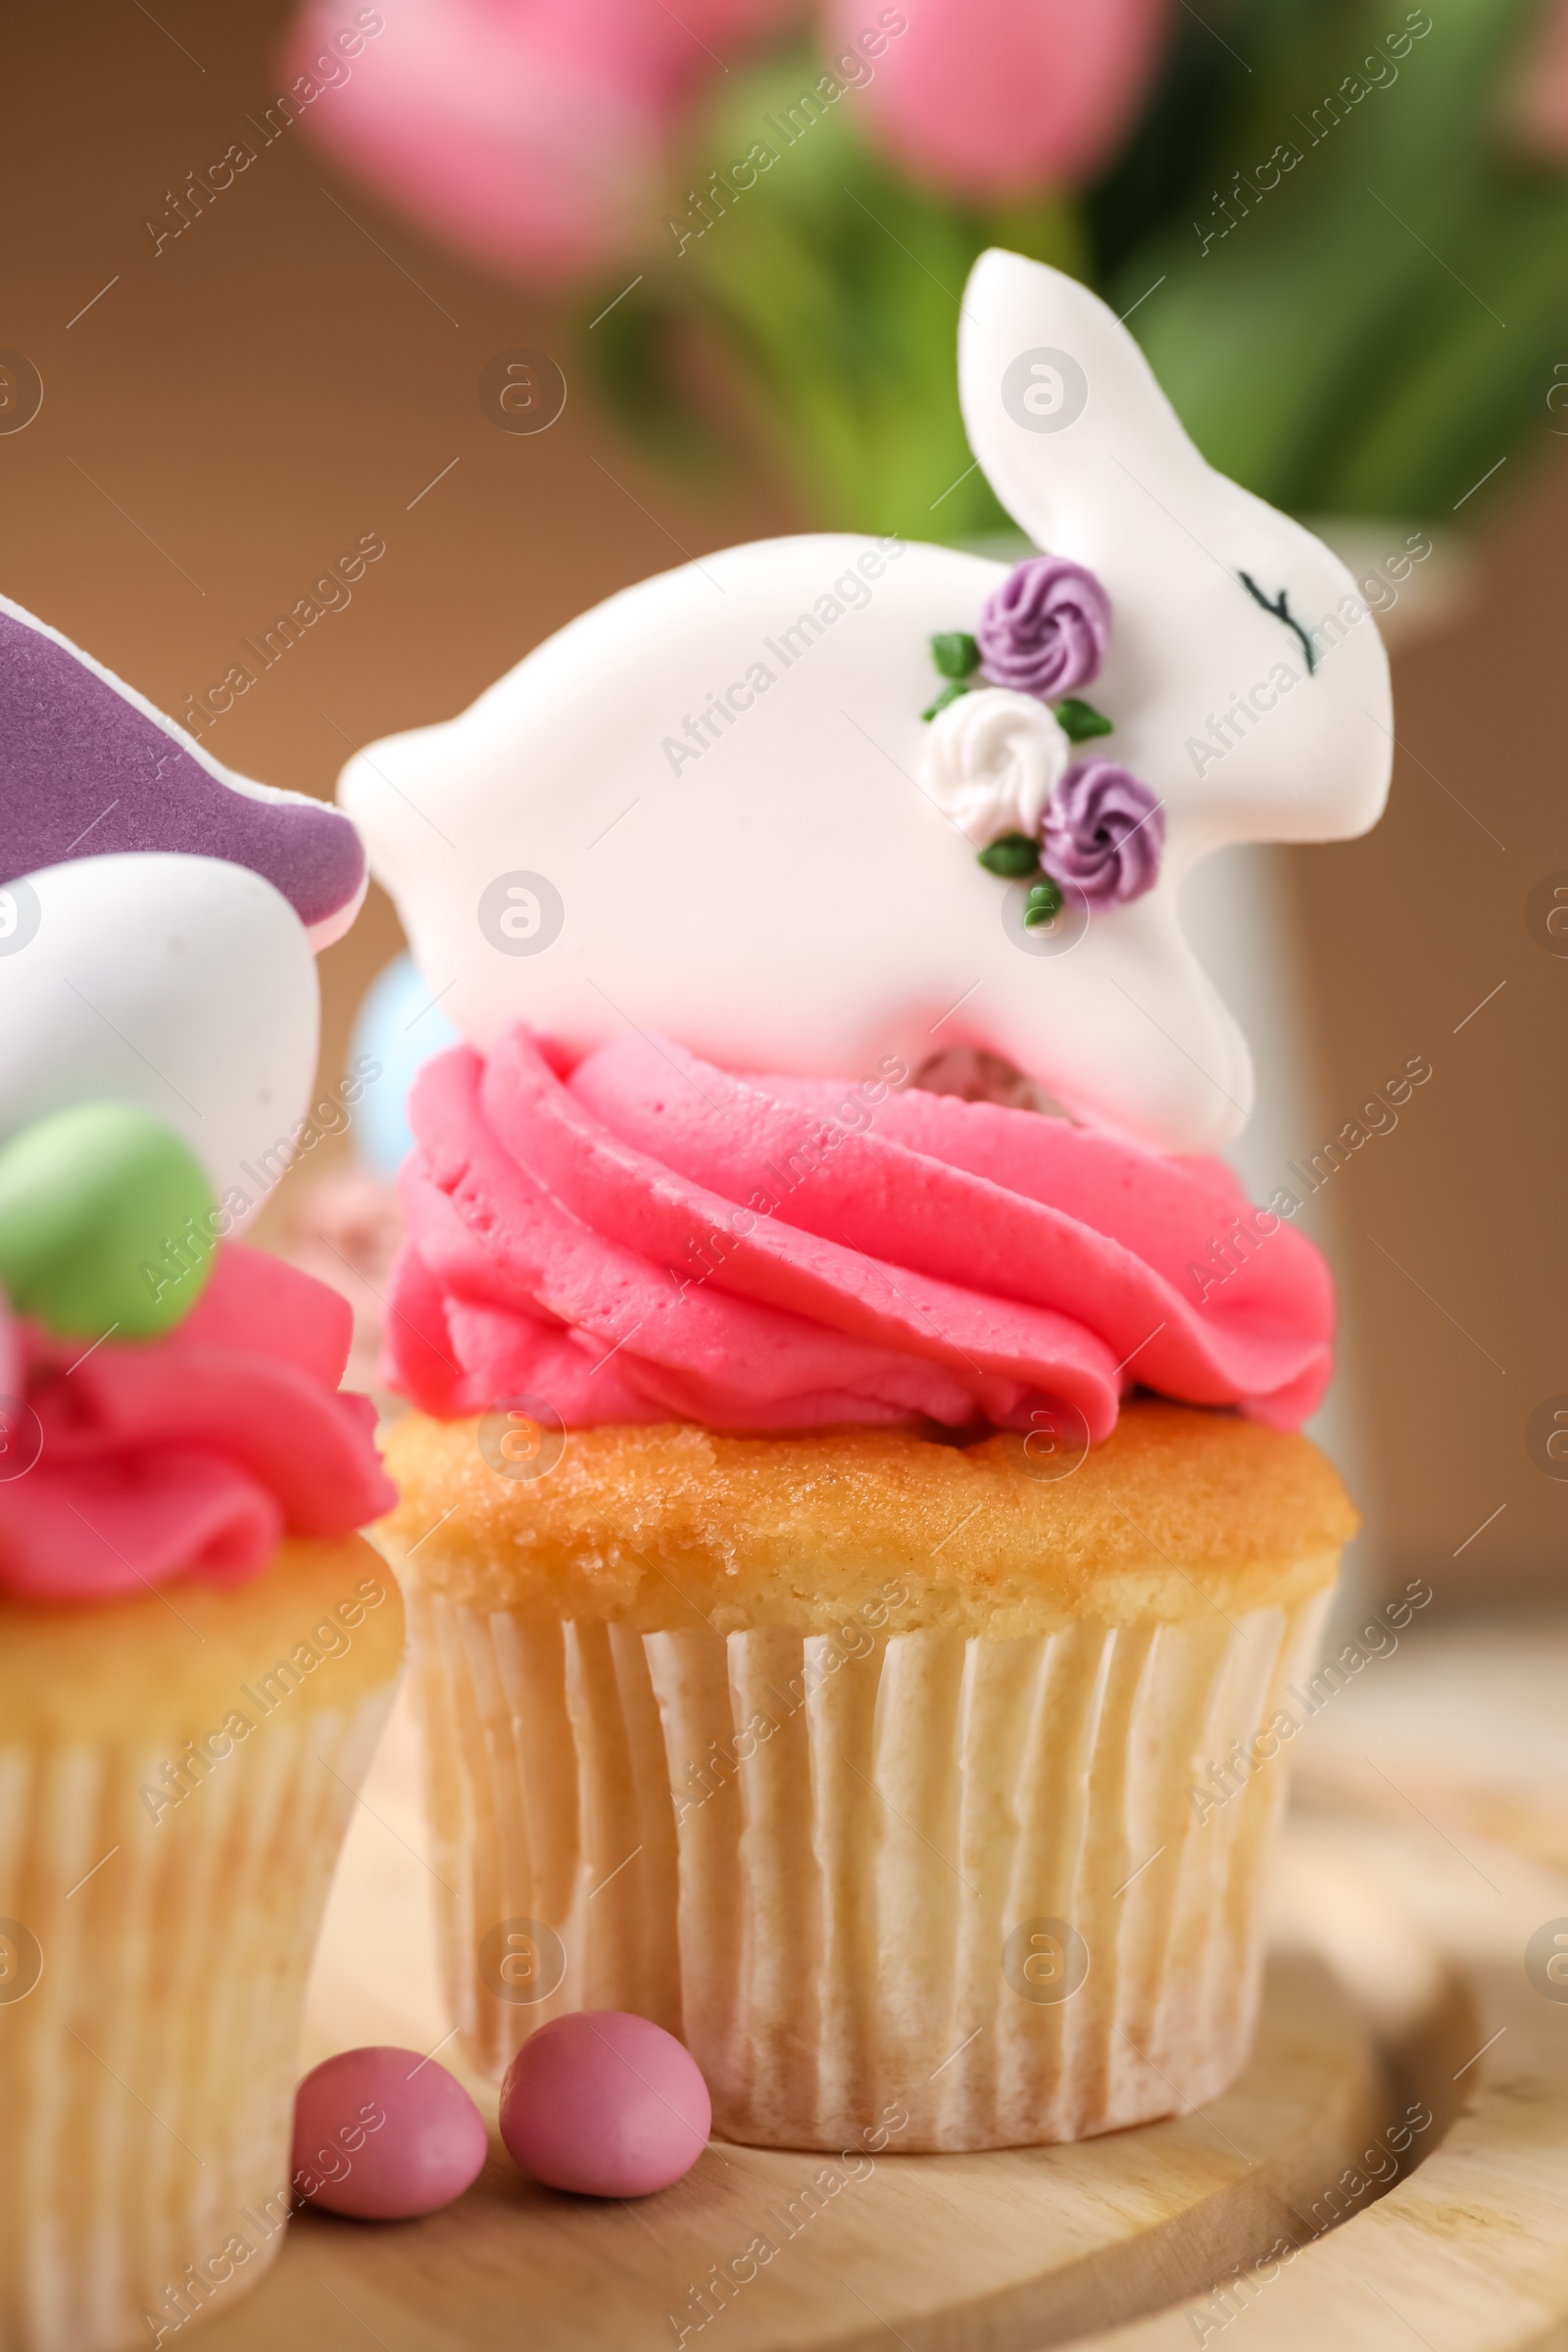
606, 2104
384, 2135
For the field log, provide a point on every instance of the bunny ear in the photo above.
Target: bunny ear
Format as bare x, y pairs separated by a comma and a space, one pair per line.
1055, 393
88, 767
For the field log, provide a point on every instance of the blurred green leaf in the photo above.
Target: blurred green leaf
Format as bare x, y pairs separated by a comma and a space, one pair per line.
636, 348
1369, 334
839, 285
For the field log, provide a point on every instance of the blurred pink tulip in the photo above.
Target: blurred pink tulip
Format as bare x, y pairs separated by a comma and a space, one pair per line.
739, 20
1540, 97
991, 99
532, 134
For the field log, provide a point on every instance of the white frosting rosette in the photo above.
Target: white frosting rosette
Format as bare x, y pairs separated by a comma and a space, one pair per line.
991, 761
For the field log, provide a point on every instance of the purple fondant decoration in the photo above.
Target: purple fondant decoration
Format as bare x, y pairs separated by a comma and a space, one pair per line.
88, 767
1044, 631
1103, 834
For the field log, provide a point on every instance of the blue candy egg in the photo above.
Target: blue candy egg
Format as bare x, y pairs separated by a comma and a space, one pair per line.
402, 1028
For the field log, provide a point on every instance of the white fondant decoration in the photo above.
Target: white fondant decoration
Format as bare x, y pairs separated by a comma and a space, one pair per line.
183, 985
699, 808
992, 759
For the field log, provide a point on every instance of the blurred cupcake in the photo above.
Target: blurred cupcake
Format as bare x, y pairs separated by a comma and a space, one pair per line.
197, 1653
821, 1649
196, 1648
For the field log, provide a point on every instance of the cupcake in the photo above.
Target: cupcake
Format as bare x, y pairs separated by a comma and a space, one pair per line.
197, 1649
197, 1654
855, 1527
850, 1753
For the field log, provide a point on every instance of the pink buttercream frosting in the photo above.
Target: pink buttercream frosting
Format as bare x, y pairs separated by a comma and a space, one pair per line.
644, 1238
189, 1456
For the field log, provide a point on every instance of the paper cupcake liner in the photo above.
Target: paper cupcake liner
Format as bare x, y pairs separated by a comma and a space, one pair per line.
152, 1978
995, 1884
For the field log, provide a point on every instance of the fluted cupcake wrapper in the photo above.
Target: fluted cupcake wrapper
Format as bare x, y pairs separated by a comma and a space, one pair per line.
153, 1963
1008, 1888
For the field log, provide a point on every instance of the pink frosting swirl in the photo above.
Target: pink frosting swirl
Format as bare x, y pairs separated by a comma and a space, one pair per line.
141, 1463
644, 1238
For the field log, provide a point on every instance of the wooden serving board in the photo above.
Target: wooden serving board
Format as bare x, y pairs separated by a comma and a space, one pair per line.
1140, 2239
1026, 2246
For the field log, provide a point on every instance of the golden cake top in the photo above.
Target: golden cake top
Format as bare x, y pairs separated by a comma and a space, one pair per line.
199, 1663
1179, 1511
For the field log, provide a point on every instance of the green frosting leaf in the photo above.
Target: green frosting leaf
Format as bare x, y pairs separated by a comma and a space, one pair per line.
1079, 720
104, 1223
1042, 906
956, 653
1012, 855
949, 694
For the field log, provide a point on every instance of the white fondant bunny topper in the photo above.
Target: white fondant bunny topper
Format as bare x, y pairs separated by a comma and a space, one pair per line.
712, 808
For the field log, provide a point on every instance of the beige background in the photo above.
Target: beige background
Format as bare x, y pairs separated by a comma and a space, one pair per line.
233, 412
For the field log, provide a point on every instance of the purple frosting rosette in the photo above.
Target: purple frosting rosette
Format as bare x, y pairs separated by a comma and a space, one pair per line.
1044, 631
1103, 834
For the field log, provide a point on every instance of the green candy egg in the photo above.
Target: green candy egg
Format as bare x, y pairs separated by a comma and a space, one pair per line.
104, 1223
